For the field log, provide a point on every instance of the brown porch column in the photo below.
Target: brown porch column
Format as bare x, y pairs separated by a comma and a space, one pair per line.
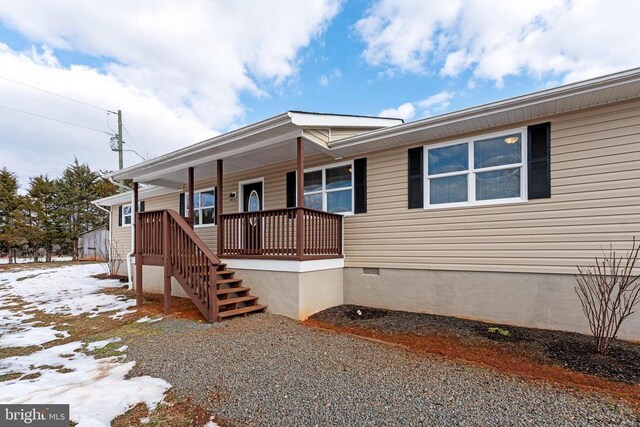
219, 202
300, 199
137, 247
191, 198
166, 251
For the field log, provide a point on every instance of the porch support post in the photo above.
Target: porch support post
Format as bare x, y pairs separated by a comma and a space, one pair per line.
219, 202
300, 200
166, 250
191, 198
137, 227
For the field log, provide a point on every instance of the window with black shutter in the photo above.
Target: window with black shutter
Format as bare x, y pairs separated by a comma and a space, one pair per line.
416, 182
539, 161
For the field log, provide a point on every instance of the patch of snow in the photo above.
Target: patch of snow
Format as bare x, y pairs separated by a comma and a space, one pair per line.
30, 260
95, 389
210, 424
147, 319
122, 349
145, 420
67, 290
97, 345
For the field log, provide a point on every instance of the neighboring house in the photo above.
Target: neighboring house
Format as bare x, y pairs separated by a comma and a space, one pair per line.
482, 213
93, 245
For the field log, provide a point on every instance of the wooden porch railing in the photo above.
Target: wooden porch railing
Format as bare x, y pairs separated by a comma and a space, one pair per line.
165, 238
274, 234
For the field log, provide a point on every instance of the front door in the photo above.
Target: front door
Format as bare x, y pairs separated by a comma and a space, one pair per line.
252, 202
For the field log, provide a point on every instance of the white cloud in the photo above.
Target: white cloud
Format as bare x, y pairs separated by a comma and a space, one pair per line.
569, 39
406, 111
430, 105
177, 70
325, 79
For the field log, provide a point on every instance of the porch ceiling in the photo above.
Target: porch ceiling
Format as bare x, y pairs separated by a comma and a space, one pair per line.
256, 158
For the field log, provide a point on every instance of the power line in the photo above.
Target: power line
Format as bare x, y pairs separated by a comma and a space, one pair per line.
52, 93
54, 120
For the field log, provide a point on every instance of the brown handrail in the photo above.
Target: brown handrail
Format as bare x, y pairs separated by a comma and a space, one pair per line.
187, 257
288, 233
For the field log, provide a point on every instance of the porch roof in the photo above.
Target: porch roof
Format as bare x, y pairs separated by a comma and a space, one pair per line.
262, 143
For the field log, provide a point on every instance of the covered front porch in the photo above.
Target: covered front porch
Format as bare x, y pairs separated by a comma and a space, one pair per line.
252, 232
260, 210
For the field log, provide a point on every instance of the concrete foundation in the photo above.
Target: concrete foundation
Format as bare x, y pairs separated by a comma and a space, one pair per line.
546, 301
293, 294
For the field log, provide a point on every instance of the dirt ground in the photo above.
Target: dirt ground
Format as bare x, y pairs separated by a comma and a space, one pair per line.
561, 358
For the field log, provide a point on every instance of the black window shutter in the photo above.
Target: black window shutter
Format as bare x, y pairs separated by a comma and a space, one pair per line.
291, 189
215, 206
539, 161
360, 187
182, 211
120, 216
416, 181
141, 205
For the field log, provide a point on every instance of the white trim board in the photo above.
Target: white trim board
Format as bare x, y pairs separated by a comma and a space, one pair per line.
284, 265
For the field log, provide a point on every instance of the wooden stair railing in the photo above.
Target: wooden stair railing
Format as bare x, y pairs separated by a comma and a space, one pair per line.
211, 287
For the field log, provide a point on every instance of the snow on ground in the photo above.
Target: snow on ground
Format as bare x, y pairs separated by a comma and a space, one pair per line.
28, 260
95, 389
64, 290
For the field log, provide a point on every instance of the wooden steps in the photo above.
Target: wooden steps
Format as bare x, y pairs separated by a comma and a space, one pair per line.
238, 289
239, 311
233, 299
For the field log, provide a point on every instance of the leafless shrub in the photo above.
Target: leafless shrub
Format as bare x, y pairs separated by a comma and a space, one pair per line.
113, 257
608, 292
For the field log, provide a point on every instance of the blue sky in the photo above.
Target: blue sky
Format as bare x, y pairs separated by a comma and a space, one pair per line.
185, 71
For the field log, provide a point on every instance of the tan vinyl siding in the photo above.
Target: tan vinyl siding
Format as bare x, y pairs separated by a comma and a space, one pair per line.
121, 235
595, 200
342, 133
319, 134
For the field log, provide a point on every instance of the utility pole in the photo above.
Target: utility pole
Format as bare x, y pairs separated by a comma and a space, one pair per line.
120, 159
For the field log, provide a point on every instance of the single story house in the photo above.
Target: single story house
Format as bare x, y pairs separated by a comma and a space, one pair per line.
482, 213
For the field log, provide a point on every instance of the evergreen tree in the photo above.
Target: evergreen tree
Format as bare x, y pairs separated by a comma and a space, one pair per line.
44, 212
10, 214
76, 188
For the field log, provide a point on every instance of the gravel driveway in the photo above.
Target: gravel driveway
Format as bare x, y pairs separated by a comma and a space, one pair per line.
267, 370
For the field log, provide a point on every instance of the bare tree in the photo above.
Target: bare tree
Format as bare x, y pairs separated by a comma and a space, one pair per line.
113, 257
608, 292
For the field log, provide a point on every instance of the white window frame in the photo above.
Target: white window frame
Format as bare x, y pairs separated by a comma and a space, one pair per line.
130, 216
187, 203
472, 171
324, 191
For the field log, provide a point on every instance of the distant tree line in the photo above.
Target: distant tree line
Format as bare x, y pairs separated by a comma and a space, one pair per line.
52, 213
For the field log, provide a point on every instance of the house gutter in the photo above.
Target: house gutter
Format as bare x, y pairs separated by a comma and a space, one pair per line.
133, 231
110, 226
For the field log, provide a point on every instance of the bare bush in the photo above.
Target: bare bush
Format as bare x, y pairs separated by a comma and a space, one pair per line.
113, 257
608, 292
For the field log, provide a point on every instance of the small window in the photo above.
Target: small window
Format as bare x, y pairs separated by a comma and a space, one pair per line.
126, 215
484, 170
329, 189
204, 212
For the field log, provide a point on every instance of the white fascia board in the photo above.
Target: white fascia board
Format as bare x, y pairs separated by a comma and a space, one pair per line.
554, 94
122, 198
329, 120
177, 166
199, 147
